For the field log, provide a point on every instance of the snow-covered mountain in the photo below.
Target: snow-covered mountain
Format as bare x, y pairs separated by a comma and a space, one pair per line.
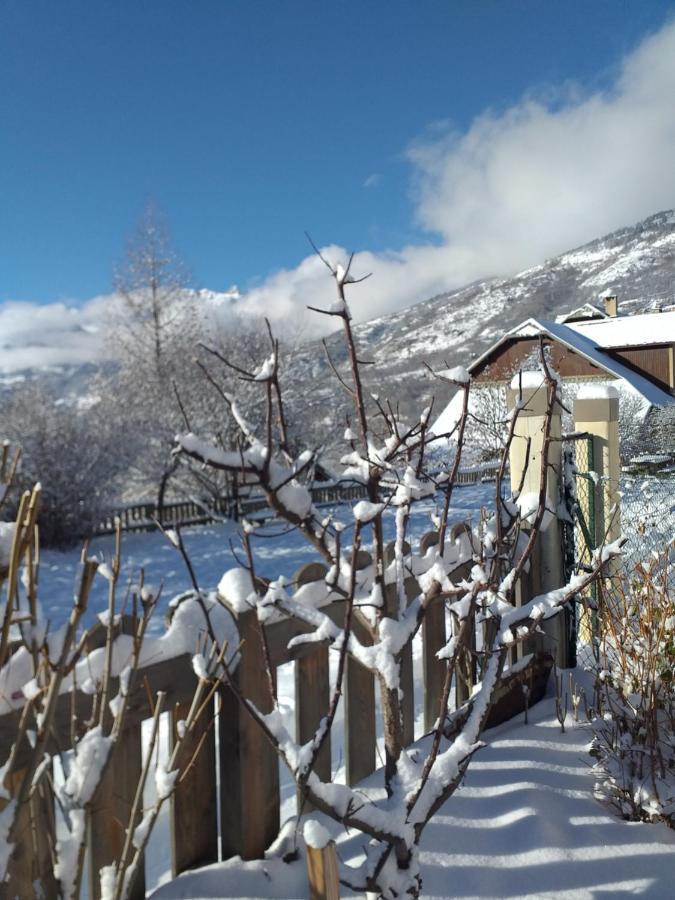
637, 263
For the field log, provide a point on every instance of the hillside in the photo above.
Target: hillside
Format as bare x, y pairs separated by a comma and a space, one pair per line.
637, 263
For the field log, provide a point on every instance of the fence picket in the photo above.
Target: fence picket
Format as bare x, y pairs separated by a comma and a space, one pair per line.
360, 732
194, 808
111, 810
312, 696
32, 861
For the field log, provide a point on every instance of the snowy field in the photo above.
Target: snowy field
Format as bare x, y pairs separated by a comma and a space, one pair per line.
278, 552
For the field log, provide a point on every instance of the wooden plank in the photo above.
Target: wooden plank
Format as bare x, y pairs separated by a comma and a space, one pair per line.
408, 701
194, 806
312, 697
360, 735
31, 860
406, 681
249, 767
111, 809
322, 873
230, 766
433, 638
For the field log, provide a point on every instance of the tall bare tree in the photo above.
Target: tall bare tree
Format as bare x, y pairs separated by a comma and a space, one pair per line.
154, 335
152, 282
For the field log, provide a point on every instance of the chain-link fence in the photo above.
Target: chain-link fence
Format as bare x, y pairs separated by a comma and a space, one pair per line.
647, 515
641, 508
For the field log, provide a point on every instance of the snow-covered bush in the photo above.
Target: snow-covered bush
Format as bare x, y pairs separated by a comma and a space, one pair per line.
75, 450
634, 723
49, 677
378, 617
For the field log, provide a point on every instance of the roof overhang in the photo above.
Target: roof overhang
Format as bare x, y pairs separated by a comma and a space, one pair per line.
579, 343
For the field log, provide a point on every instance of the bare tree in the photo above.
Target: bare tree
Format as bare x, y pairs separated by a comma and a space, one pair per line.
74, 450
154, 335
379, 621
151, 283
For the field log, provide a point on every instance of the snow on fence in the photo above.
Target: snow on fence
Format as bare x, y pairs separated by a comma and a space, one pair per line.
228, 801
144, 516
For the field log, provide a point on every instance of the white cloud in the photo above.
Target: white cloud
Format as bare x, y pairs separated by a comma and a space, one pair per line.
532, 181
517, 186
53, 334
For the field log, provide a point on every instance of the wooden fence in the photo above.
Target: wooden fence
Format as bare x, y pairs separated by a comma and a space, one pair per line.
236, 772
144, 516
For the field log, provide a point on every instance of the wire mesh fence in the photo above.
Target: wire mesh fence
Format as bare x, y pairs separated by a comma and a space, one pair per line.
647, 515
641, 508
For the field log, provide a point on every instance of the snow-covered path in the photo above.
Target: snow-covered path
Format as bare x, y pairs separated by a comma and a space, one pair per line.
524, 824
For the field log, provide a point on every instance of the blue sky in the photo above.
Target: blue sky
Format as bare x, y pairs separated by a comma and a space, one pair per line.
250, 122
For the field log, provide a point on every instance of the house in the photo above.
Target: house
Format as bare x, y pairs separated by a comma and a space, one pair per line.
588, 344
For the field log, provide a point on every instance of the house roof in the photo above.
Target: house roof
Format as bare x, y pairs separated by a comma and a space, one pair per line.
585, 312
582, 341
628, 331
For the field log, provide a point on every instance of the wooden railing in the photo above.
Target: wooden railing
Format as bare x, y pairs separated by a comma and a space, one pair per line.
240, 779
144, 516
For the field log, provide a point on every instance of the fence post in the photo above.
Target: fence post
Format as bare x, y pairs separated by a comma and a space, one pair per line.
596, 412
322, 872
547, 565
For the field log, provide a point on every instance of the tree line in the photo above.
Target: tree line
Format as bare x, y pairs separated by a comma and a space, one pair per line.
113, 443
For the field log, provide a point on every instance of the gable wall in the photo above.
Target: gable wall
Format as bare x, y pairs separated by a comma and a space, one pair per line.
523, 353
655, 362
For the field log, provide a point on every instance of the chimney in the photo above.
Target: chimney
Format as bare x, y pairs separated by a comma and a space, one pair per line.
612, 306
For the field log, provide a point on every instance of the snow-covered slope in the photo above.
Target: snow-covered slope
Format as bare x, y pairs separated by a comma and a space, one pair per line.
637, 263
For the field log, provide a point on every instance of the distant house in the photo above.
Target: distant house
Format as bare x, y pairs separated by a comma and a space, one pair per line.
585, 345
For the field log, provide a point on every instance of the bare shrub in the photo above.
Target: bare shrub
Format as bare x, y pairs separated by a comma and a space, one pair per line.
634, 723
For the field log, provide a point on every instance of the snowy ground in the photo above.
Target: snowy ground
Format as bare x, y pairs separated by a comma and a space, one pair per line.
523, 824
209, 546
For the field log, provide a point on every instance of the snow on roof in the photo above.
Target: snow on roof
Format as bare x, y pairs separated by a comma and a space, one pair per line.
577, 339
628, 331
586, 312
580, 343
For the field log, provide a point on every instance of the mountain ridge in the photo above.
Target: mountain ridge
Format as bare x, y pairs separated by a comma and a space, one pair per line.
636, 262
